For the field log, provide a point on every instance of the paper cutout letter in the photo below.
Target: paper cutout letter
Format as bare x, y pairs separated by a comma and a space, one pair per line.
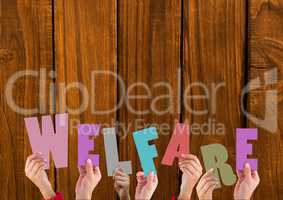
47, 141
215, 156
179, 144
111, 150
146, 152
86, 144
244, 149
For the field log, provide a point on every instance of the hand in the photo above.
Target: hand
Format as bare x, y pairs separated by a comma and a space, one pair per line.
121, 184
34, 170
247, 182
206, 185
192, 170
88, 180
146, 186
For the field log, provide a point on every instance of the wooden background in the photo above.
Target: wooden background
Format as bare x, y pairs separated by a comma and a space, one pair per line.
211, 41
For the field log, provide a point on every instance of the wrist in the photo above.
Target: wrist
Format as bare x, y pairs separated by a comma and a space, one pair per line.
184, 196
47, 191
185, 193
83, 196
124, 195
242, 198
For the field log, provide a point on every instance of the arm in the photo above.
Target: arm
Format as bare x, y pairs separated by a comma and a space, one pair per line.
122, 184
88, 180
206, 186
59, 196
192, 171
146, 186
34, 170
247, 183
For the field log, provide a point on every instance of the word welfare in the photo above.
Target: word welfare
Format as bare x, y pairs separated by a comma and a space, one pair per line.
47, 140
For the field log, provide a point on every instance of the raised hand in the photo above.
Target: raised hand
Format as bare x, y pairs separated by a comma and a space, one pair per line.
88, 180
248, 181
146, 186
192, 170
206, 185
35, 171
121, 184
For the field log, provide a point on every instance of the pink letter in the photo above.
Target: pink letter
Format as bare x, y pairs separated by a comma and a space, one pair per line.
85, 144
244, 149
179, 144
49, 141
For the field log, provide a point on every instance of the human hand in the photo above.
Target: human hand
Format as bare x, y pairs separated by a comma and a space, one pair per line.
192, 170
121, 184
206, 185
146, 186
247, 183
35, 171
88, 180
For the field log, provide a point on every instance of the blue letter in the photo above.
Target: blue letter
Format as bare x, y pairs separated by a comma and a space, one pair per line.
146, 152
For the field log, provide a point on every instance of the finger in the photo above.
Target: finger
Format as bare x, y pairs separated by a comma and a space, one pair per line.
150, 179
255, 175
190, 156
190, 161
204, 189
34, 163
192, 170
204, 181
82, 170
193, 164
121, 183
187, 170
155, 179
140, 174
39, 168
89, 168
210, 187
97, 171
32, 157
239, 174
119, 172
79, 180
119, 178
247, 170
209, 173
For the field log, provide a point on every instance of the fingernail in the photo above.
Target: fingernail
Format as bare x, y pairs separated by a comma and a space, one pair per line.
89, 161
247, 165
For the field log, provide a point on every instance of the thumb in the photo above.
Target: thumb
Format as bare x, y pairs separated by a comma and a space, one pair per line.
247, 170
150, 179
89, 167
97, 171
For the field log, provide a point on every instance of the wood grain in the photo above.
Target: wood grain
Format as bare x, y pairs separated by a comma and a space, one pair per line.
226, 42
85, 33
149, 53
265, 55
214, 41
26, 44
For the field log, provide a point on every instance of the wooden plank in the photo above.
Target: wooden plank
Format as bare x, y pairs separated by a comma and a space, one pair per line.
85, 33
149, 52
26, 44
265, 55
214, 39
